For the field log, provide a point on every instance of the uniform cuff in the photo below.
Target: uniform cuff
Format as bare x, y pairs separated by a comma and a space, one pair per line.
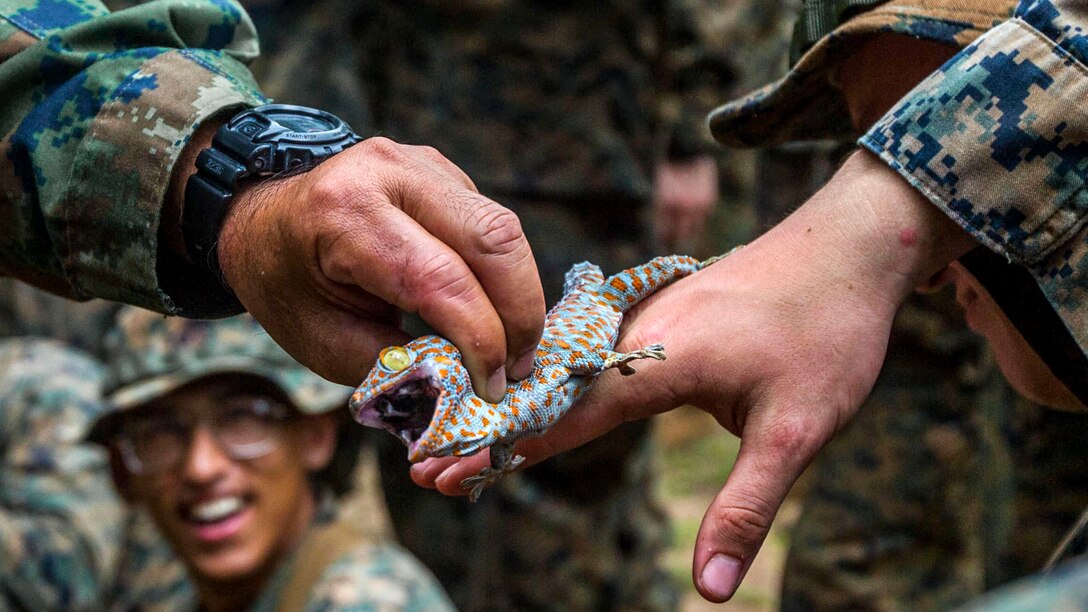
135, 139
995, 139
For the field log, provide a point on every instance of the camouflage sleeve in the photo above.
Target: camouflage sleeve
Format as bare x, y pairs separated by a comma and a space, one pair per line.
60, 522
997, 139
377, 577
95, 108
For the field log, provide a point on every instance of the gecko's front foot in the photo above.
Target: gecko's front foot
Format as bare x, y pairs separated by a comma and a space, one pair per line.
487, 477
622, 360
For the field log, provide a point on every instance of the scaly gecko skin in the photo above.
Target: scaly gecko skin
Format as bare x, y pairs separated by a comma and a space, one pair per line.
422, 393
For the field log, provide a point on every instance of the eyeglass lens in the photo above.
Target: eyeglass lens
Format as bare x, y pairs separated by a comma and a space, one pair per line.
245, 427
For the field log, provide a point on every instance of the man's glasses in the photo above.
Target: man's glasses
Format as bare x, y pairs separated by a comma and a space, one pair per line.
245, 427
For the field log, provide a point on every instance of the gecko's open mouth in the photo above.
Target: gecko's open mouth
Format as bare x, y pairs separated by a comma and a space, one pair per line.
405, 410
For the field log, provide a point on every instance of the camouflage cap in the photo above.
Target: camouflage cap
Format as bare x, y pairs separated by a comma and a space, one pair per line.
150, 355
806, 104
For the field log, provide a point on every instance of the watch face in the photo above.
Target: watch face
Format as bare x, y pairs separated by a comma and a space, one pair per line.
302, 123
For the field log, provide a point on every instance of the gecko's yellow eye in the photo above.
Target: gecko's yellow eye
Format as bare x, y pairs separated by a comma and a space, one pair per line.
395, 358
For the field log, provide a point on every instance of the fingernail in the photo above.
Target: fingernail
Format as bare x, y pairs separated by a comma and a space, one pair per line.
496, 385
523, 366
720, 576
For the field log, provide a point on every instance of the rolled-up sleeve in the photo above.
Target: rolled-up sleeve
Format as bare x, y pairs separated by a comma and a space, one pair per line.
96, 108
998, 139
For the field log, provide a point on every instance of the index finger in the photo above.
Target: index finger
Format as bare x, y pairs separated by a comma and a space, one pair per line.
489, 239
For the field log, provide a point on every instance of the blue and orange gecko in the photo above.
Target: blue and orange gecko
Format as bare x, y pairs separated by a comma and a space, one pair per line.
421, 392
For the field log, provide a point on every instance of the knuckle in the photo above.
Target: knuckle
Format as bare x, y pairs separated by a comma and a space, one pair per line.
498, 230
747, 525
334, 190
431, 153
380, 147
795, 436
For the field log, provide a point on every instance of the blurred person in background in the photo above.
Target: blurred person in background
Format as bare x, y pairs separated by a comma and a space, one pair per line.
61, 526
235, 452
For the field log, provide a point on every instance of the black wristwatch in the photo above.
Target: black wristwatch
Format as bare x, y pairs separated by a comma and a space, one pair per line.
267, 140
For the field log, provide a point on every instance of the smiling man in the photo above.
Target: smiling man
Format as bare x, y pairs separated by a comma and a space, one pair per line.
228, 445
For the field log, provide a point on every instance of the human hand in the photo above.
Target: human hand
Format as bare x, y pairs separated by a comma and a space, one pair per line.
684, 195
780, 342
327, 259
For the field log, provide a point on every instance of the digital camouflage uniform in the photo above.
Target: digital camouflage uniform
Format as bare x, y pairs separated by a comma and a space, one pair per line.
945, 484
939, 488
96, 108
59, 518
557, 111
150, 355
134, 109
143, 570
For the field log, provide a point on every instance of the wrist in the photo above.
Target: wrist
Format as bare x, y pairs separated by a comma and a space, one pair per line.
252, 199
878, 233
269, 140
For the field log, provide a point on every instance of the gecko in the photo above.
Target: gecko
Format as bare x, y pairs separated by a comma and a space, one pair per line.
422, 394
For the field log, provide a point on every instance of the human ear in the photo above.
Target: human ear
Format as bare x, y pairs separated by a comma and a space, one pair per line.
319, 441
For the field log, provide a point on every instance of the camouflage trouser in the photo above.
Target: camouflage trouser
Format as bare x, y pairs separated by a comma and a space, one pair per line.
583, 531
944, 486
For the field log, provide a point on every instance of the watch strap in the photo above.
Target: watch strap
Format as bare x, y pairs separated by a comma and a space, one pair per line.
207, 197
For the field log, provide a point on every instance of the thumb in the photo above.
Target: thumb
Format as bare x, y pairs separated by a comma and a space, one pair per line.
739, 518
